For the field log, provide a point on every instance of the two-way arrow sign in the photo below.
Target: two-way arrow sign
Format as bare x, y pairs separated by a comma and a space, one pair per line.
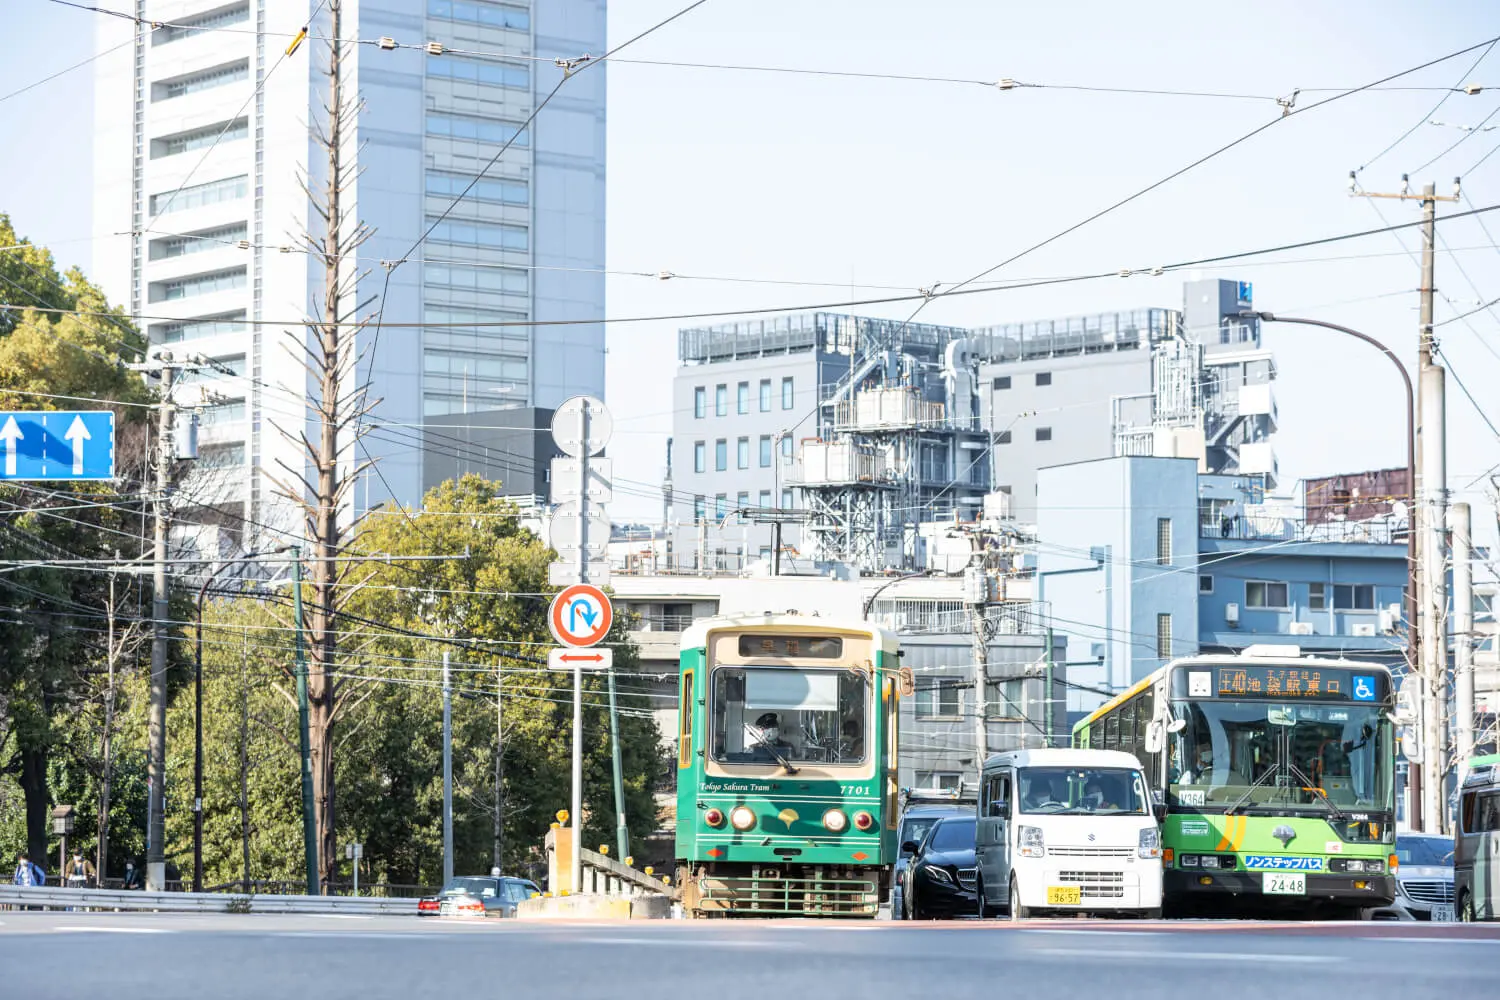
591, 658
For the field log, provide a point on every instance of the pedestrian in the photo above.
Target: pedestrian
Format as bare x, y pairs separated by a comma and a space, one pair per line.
80, 871
132, 876
28, 874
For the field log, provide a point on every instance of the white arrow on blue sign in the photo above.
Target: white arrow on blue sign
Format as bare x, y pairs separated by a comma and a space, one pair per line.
57, 444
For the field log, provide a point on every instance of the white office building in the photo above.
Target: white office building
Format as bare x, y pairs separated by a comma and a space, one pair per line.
201, 146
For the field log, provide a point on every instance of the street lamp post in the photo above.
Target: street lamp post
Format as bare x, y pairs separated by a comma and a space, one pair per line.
1411, 461
198, 719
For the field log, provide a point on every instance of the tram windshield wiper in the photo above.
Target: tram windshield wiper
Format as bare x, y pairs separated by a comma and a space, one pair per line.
786, 765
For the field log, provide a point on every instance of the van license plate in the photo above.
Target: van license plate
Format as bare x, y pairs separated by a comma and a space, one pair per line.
1442, 913
1064, 895
1284, 884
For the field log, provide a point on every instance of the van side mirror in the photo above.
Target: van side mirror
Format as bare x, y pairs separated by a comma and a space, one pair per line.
909, 847
1159, 810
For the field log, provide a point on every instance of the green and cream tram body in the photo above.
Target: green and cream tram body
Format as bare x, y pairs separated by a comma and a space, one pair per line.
786, 767
1278, 774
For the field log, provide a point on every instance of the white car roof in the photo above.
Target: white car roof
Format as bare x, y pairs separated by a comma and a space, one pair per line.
1063, 757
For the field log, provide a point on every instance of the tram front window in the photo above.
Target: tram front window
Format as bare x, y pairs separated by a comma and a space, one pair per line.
768, 715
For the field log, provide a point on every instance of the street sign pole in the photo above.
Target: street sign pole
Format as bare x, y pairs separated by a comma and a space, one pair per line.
583, 577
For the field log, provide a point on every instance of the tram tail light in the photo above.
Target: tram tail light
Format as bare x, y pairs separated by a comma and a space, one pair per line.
714, 817
863, 821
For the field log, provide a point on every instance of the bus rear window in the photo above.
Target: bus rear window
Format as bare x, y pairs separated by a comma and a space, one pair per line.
816, 647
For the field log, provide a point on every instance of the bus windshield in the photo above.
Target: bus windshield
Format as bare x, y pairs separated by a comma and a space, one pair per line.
1083, 791
1256, 755
771, 715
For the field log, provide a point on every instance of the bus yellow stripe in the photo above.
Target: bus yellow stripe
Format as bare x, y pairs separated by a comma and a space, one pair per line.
1224, 837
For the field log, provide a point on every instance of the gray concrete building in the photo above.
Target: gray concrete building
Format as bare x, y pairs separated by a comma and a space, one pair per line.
513, 447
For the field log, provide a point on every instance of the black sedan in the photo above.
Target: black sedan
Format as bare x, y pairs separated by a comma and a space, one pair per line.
940, 877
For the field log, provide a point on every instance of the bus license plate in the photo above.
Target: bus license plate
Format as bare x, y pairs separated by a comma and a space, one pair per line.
1284, 884
1064, 895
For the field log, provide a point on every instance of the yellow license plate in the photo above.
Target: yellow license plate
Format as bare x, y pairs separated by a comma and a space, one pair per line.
1064, 895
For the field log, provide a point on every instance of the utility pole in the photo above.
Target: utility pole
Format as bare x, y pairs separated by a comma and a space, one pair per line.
1463, 636
447, 772
499, 768
101, 858
1428, 520
977, 593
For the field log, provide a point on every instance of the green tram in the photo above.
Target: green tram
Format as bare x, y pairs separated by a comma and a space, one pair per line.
1278, 774
786, 766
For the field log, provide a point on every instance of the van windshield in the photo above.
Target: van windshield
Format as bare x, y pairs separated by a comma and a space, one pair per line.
1083, 791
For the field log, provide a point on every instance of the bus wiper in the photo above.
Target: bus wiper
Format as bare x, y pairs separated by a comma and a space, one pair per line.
1269, 772
785, 764
1308, 784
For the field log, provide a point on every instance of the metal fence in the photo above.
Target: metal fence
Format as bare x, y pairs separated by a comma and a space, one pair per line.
50, 898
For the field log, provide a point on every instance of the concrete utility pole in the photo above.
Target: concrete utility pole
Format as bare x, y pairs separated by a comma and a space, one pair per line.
1428, 521
977, 593
447, 772
1463, 635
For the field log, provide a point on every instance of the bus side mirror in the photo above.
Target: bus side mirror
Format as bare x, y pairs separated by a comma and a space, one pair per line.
1159, 810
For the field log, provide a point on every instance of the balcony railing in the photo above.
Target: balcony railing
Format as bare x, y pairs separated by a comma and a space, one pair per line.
1268, 528
661, 622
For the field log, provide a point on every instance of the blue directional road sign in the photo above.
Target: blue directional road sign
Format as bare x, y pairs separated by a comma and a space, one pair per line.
57, 444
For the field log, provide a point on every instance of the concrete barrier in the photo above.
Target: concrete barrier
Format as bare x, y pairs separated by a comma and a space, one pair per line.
595, 907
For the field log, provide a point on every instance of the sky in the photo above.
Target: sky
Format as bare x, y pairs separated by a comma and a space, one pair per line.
797, 189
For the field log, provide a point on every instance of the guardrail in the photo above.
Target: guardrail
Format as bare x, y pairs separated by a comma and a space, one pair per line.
50, 898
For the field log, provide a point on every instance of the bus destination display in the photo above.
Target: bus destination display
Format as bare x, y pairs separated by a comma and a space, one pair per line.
815, 647
1296, 682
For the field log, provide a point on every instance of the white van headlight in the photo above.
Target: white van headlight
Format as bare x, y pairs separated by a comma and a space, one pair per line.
1150, 846
1030, 842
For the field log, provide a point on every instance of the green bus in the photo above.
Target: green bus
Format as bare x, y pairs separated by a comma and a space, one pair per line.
1278, 775
786, 766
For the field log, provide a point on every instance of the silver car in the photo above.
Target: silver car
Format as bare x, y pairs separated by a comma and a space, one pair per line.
1424, 879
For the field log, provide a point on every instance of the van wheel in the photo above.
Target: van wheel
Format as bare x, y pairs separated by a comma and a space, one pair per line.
1466, 908
1018, 909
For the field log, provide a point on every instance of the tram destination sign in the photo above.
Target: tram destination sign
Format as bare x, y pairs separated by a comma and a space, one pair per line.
1321, 683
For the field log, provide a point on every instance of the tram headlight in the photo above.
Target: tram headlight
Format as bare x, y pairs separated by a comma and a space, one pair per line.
863, 821
834, 821
742, 817
714, 817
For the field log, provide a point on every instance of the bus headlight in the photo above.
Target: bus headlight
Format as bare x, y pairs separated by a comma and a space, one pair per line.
834, 821
741, 817
1150, 845
1031, 843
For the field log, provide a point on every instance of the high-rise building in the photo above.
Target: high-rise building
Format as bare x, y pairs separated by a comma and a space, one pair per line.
202, 147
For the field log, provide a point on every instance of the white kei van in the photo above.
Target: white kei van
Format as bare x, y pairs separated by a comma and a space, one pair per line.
1067, 830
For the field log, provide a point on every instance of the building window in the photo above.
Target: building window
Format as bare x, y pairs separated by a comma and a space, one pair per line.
765, 499
1205, 583
207, 326
191, 243
1265, 594
1043, 378
1163, 541
721, 400
742, 453
786, 448
195, 25
1003, 437
199, 195
786, 499
700, 456
700, 402
502, 192
1353, 597
1044, 434
200, 138
494, 74
221, 456
197, 284
1001, 382
477, 129
232, 411
765, 395
479, 234
700, 507
765, 451
721, 505
504, 280
942, 781
206, 79
940, 698
486, 14
741, 500
1164, 636
721, 455
742, 397
1317, 596
786, 393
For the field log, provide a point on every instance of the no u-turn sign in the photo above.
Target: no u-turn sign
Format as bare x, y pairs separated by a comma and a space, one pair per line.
580, 615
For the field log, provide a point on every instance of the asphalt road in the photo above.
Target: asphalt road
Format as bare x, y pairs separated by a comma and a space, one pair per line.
164, 957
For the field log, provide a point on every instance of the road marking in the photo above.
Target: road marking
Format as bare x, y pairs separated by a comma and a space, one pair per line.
1431, 940
345, 916
1090, 933
102, 929
1198, 956
681, 942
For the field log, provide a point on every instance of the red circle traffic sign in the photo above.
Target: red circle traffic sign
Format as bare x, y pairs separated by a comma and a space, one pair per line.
580, 615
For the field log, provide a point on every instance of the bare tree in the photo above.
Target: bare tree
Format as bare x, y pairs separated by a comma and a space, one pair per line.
323, 487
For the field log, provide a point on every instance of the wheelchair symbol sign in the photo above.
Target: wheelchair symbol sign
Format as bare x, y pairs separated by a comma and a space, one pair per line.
1364, 687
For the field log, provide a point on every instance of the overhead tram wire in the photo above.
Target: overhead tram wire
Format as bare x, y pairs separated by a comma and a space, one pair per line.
1459, 141
64, 72
1424, 119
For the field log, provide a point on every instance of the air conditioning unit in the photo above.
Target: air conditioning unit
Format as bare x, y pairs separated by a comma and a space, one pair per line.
1232, 615
1363, 629
1301, 628
1390, 618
